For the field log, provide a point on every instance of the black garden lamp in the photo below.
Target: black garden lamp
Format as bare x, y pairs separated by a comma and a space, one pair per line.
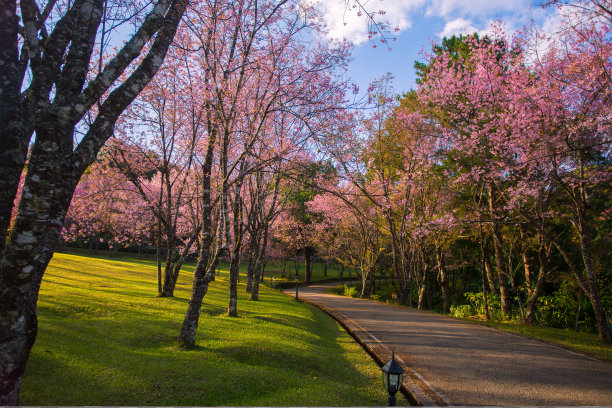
392, 378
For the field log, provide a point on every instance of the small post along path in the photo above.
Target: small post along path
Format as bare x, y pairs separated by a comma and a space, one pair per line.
450, 362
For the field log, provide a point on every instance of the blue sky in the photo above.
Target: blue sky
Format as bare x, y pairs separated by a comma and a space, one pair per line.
420, 23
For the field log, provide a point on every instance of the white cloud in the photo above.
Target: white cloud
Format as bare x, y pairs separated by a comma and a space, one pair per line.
458, 26
345, 19
462, 8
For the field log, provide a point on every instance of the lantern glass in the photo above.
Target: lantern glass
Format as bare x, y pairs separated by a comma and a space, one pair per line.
395, 381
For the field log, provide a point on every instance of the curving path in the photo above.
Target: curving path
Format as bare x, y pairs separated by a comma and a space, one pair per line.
449, 362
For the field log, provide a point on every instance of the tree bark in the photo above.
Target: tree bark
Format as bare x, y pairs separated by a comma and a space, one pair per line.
207, 262
525, 256
535, 292
307, 264
443, 280
499, 260
232, 308
585, 235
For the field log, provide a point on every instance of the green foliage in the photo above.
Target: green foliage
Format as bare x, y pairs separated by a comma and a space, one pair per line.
106, 339
559, 310
350, 291
475, 306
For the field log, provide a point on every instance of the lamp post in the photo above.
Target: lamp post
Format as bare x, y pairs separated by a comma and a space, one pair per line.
392, 378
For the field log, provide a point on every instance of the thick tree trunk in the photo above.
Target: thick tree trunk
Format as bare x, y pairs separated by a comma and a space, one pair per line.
56, 165
47, 191
15, 133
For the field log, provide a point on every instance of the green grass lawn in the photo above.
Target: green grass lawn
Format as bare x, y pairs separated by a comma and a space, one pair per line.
106, 339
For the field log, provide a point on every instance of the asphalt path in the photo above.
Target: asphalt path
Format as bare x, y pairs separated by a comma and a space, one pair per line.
450, 362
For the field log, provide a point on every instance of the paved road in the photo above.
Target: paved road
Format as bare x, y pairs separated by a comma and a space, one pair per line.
450, 362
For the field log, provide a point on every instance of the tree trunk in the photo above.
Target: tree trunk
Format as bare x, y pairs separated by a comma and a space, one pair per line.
179, 263
159, 260
252, 258
256, 281
365, 283
525, 256
535, 292
258, 270
232, 308
205, 267
605, 333
307, 264
499, 260
27, 253
168, 288
201, 279
443, 280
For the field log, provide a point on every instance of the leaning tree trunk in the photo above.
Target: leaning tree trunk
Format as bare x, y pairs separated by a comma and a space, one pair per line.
30, 248
207, 262
56, 165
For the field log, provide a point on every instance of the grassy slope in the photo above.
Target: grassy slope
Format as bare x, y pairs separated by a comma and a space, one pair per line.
105, 339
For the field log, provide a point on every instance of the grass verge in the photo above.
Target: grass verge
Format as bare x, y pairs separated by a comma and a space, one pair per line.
106, 339
580, 342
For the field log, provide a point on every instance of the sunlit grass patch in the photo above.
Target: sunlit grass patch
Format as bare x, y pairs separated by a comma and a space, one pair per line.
105, 338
